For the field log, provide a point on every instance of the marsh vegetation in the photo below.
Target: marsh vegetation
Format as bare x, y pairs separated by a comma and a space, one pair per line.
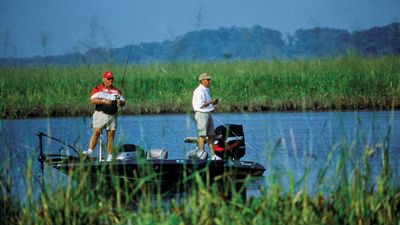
341, 83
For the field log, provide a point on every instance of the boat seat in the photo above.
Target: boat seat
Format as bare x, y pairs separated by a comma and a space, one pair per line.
157, 154
129, 152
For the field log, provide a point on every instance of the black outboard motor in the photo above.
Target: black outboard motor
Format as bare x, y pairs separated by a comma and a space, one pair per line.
229, 141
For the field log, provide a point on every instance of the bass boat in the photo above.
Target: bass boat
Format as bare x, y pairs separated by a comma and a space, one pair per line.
134, 163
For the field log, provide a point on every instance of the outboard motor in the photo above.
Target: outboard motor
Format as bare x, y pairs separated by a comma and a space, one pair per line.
229, 141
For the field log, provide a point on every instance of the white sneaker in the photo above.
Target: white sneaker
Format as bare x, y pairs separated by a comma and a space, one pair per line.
88, 152
215, 157
109, 158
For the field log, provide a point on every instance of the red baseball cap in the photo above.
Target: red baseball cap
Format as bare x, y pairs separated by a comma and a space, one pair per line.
108, 74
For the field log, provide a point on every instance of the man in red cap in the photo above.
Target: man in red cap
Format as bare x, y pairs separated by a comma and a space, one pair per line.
106, 99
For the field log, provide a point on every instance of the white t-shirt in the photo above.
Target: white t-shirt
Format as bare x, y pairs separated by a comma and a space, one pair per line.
201, 95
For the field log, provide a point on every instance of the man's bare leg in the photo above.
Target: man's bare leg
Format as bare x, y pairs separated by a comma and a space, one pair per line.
211, 144
94, 138
110, 141
200, 142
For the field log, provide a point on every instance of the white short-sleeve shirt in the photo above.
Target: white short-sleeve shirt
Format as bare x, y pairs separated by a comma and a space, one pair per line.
201, 95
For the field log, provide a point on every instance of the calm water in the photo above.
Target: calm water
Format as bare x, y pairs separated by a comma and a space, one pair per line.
290, 142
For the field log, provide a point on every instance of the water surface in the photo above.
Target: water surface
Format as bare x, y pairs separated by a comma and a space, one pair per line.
292, 142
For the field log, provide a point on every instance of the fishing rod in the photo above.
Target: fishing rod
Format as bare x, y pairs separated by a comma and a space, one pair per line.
232, 93
126, 64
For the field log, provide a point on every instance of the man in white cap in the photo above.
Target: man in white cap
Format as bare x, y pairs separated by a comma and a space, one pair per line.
203, 105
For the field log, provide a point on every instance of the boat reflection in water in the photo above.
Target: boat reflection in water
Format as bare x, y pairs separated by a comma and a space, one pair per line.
136, 170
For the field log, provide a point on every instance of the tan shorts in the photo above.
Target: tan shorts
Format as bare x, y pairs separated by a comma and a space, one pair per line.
205, 124
102, 120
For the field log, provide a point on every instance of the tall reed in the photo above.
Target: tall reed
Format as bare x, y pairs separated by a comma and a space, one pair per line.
345, 82
354, 197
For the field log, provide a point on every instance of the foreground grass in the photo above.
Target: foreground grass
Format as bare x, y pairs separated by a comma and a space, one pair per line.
355, 197
346, 82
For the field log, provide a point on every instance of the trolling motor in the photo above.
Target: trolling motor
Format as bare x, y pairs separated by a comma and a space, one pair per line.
52, 158
229, 141
41, 157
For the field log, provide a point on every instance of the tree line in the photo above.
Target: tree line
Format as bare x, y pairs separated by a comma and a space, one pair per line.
236, 43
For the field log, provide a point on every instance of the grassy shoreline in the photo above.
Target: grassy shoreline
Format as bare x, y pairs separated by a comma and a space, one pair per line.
341, 83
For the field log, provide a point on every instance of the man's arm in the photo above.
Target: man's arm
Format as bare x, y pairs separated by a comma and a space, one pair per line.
98, 101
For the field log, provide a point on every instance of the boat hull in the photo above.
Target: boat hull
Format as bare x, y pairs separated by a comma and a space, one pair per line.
168, 173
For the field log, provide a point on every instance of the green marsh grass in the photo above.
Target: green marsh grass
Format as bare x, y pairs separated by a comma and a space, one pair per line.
345, 82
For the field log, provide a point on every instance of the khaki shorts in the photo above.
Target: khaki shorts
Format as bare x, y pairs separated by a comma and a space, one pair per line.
102, 120
205, 124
